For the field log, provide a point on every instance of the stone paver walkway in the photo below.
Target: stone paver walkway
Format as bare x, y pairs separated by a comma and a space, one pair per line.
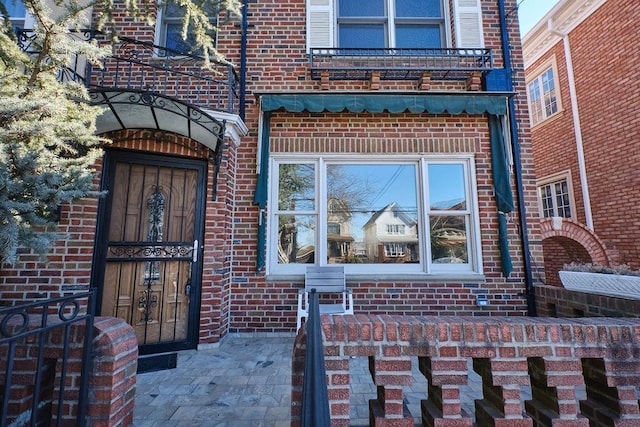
246, 381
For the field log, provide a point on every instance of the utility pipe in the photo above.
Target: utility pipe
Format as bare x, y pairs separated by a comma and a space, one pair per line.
513, 124
243, 58
576, 123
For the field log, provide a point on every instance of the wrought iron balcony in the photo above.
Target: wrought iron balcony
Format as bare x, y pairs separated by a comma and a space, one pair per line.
399, 64
142, 66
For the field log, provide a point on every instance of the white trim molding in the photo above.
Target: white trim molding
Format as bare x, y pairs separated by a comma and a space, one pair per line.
564, 17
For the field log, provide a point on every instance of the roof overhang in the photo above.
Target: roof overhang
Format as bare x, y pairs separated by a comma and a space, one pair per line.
561, 19
140, 109
392, 102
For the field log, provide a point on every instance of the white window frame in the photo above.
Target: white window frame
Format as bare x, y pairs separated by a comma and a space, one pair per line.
425, 266
396, 229
25, 22
467, 19
390, 21
551, 180
395, 249
471, 215
536, 76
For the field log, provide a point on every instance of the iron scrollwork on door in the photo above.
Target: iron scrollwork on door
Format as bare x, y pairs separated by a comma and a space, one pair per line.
147, 300
156, 204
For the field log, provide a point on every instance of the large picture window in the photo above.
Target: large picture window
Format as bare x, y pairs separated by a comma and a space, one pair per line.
374, 217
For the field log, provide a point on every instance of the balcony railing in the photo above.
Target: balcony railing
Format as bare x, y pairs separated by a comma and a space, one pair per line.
139, 65
399, 64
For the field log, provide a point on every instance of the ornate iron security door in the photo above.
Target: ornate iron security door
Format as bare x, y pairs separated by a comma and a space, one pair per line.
151, 248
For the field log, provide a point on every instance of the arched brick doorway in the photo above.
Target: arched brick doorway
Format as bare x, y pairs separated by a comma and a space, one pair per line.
565, 241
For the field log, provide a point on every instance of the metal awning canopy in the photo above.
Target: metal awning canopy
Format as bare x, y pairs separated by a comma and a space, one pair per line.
141, 109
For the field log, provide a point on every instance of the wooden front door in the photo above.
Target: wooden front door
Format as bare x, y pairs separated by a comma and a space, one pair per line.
149, 246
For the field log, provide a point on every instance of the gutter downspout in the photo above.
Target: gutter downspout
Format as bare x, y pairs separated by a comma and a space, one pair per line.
243, 58
513, 124
241, 113
582, 168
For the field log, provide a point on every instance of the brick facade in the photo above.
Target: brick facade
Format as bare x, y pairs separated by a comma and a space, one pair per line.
236, 298
609, 118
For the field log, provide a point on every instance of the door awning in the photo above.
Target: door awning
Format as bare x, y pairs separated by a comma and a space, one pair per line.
140, 109
431, 102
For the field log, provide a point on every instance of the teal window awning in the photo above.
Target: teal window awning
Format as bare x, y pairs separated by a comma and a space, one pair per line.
433, 103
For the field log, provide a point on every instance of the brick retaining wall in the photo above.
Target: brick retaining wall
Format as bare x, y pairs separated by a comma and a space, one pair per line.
111, 391
552, 356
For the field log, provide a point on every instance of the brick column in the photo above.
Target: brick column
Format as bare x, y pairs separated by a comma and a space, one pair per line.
338, 387
112, 385
612, 398
553, 384
445, 376
389, 375
502, 403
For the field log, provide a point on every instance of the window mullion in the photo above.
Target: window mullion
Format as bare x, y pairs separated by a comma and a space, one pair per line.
391, 23
321, 212
424, 212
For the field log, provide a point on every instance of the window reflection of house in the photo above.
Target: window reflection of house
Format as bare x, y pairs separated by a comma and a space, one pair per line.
449, 237
391, 236
339, 237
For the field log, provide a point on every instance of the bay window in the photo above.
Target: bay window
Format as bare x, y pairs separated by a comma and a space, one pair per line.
396, 217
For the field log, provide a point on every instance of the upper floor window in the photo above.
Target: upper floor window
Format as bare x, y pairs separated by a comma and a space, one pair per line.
555, 197
169, 30
393, 23
395, 228
543, 97
370, 215
17, 13
390, 23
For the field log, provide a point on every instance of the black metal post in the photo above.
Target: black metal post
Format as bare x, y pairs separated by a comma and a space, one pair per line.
315, 398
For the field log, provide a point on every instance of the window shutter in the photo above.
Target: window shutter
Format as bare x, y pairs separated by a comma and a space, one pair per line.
468, 23
319, 23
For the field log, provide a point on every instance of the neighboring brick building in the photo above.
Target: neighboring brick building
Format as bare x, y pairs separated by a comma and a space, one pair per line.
580, 61
293, 159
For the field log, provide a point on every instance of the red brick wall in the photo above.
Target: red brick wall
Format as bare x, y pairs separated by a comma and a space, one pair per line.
277, 62
556, 301
603, 54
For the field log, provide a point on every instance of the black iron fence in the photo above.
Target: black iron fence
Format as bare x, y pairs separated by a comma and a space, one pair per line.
40, 342
400, 64
142, 65
315, 398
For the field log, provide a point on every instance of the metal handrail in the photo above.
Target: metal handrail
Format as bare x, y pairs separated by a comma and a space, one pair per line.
444, 62
315, 397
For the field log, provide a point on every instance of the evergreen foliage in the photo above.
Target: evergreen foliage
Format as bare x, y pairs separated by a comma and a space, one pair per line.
47, 128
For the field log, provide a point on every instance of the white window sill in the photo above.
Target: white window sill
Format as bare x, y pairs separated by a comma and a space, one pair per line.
385, 277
